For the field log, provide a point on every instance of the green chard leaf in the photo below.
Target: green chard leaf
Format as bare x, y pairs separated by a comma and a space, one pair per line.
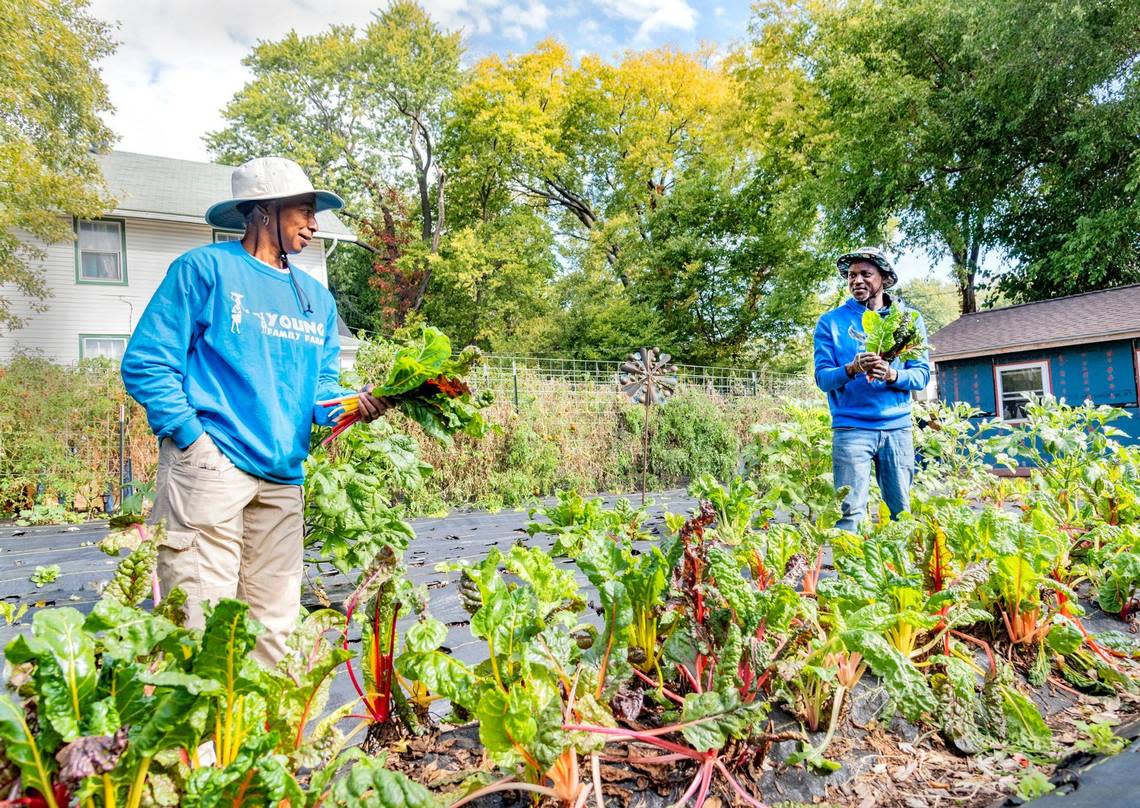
227, 642
128, 633
22, 748
65, 674
256, 774
370, 785
906, 686
719, 716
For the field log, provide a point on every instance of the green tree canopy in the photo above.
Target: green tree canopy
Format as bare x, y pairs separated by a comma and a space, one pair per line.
361, 111
594, 144
936, 299
1074, 225
50, 130
941, 114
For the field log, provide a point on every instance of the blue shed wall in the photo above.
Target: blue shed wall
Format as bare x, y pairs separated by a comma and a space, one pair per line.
1104, 373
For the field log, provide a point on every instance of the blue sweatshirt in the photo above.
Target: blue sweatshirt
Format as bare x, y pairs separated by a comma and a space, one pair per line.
856, 402
225, 347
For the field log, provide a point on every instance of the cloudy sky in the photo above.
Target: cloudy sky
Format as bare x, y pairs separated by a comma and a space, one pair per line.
178, 62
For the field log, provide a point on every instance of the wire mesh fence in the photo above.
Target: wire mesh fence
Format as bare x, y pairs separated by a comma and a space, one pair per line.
70, 433
515, 376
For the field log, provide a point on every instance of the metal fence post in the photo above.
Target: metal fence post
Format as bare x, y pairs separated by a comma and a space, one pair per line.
122, 448
754, 384
515, 379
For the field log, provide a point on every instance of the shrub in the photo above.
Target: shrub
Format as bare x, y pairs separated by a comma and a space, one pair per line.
563, 435
59, 433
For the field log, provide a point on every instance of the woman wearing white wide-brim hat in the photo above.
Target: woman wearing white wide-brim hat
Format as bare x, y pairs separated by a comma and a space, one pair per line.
229, 359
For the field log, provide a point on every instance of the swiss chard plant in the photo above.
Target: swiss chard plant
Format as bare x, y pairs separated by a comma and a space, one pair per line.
112, 710
575, 522
953, 441
637, 584
382, 592
894, 335
886, 570
1110, 561
790, 462
427, 385
534, 680
348, 507
1066, 448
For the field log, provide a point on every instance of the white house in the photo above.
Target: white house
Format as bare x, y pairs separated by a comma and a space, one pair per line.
101, 282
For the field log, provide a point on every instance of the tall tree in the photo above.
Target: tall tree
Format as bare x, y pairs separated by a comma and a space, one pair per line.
491, 284
595, 144
50, 130
726, 265
940, 113
362, 111
1075, 224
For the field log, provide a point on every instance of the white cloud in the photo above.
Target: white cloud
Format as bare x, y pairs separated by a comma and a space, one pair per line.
652, 15
179, 62
534, 16
600, 41
719, 11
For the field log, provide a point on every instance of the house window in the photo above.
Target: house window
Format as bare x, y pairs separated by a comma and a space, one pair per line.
100, 252
102, 346
227, 235
1015, 383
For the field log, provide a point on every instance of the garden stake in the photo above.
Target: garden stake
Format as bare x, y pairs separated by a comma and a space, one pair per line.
647, 378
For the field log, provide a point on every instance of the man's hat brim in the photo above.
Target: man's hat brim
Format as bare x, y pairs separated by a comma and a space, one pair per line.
226, 216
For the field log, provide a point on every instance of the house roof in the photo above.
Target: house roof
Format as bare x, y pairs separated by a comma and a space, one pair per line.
150, 187
1108, 314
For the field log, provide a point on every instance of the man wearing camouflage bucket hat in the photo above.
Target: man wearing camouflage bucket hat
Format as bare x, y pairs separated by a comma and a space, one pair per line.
869, 398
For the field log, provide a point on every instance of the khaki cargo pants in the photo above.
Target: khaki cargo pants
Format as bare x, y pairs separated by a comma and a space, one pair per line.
230, 534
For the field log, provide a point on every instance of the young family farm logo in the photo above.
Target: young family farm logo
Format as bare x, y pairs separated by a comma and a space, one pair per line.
273, 324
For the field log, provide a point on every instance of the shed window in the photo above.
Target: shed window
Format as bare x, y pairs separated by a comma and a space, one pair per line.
1015, 384
101, 252
227, 235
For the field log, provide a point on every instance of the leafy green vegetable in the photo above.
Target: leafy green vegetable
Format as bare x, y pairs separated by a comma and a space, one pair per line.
1033, 784
347, 509
1099, 739
709, 720
45, 575
23, 748
427, 385
132, 580
65, 672
370, 785
895, 335
575, 522
255, 777
1118, 590
12, 613
908, 688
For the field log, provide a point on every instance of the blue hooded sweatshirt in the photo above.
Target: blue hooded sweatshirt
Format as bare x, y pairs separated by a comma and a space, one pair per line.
225, 347
856, 402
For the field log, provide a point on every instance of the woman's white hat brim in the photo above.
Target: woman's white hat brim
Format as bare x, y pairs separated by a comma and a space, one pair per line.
263, 179
226, 216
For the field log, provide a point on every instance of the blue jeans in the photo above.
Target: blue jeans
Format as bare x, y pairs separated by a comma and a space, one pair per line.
853, 451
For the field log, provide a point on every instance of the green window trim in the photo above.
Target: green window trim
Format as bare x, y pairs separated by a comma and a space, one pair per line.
83, 337
79, 279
